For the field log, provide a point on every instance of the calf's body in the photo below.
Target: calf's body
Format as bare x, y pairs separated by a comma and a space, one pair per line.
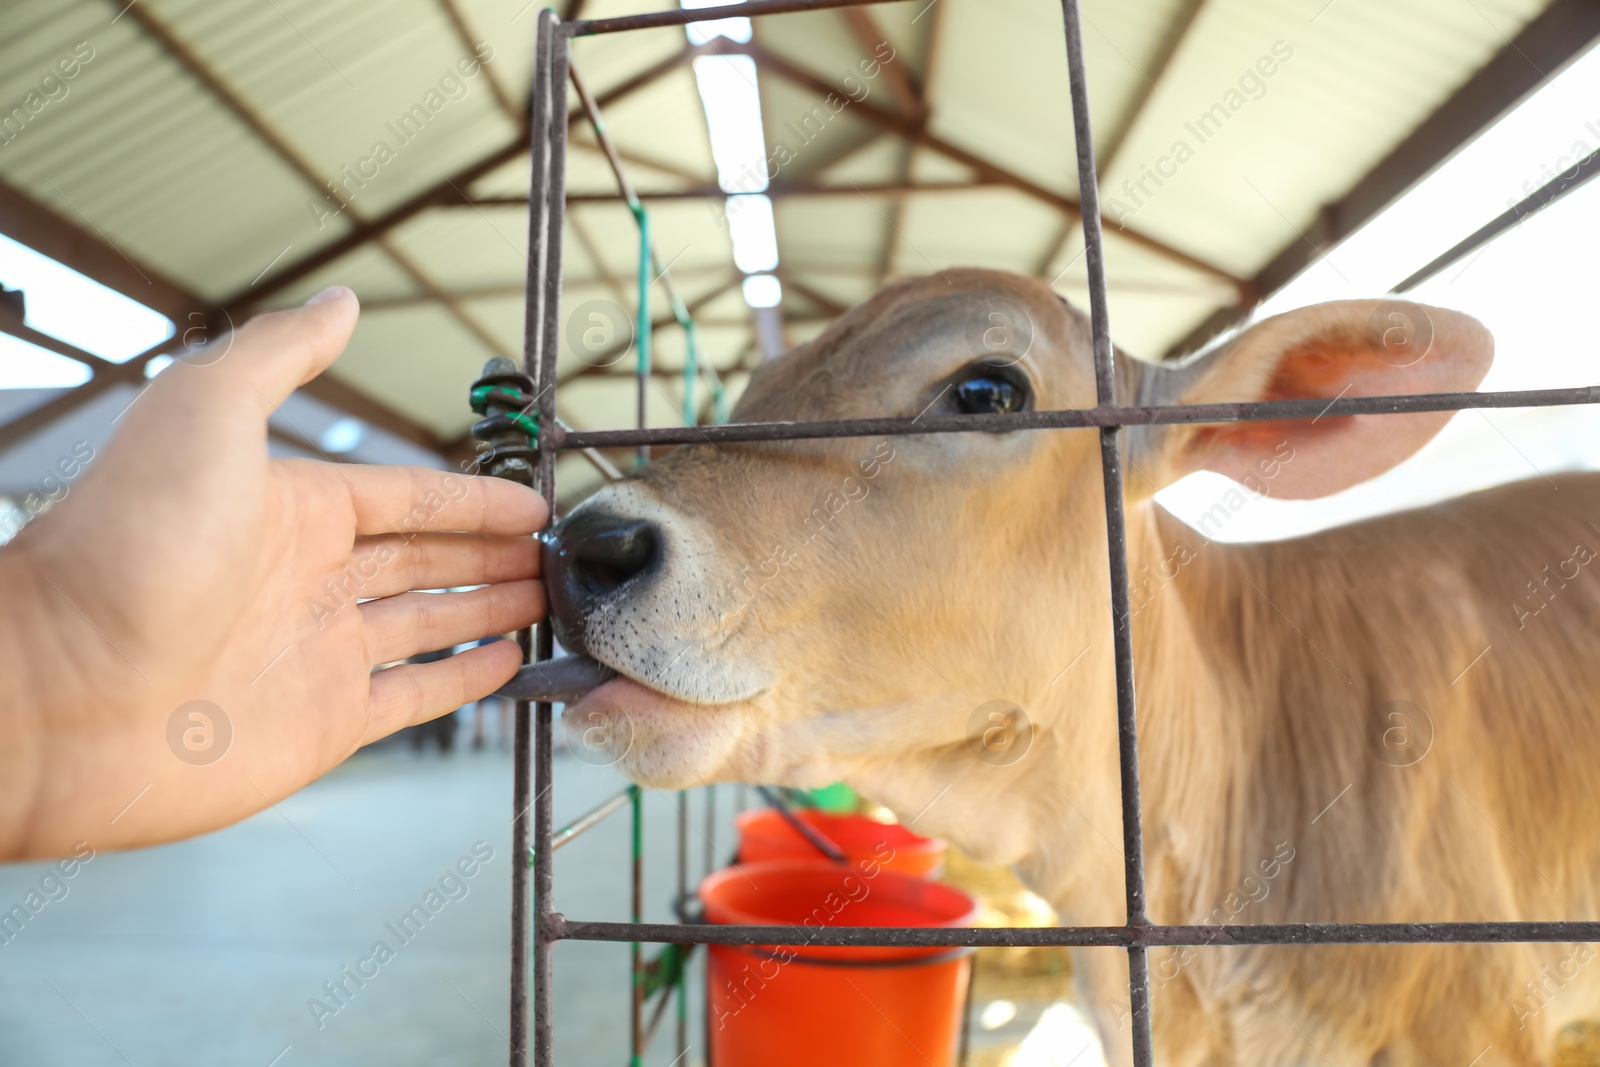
1384, 722
1390, 723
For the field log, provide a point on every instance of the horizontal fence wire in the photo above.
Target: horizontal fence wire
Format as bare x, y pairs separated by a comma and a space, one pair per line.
561, 928
683, 16
1076, 418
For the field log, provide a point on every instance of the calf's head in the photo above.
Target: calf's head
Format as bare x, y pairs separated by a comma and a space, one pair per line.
805, 611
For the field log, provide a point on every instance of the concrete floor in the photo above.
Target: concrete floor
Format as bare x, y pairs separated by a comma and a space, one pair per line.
207, 951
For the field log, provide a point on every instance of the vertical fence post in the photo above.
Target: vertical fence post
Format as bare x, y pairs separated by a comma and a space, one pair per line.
1116, 533
523, 742
547, 216
636, 913
679, 910
642, 328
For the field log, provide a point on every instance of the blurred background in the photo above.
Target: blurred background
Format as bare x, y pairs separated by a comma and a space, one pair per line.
169, 167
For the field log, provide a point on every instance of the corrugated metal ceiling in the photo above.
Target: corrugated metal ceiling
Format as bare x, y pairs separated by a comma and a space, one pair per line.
143, 153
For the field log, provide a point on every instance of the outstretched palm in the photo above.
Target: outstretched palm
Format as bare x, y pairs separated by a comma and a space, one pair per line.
189, 637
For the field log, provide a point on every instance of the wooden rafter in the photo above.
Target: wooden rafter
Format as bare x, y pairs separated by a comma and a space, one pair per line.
811, 293
450, 190
894, 228
1555, 36
458, 24
328, 389
202, 72
911, 131
605, 360
869, 35
72, 242
1106, 157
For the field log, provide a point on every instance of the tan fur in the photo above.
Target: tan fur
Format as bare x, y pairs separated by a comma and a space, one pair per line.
972, 567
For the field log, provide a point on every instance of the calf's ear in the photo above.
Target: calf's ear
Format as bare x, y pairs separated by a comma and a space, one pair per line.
1337, 350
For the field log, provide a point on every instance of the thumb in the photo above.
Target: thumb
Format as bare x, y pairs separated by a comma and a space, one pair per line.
283, 350
271, 356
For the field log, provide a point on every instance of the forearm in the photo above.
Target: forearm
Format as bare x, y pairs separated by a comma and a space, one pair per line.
22, 714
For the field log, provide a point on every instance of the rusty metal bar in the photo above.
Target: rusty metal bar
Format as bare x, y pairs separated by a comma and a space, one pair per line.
1116, 536
814, 837
683, 16
549, 352
522, 832
547, 150
649, 260
1079, 418
1530, 205
1285, 934
681, 994
589, 820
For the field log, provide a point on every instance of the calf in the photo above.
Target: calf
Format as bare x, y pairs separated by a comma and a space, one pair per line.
1388, 721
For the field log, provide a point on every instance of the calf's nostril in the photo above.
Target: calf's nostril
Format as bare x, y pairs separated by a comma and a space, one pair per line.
590, 559
610, 553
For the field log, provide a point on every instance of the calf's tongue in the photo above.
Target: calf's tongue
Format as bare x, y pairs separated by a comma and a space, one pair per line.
554, 681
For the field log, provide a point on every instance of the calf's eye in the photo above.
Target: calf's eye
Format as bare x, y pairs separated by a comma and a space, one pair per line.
989, 393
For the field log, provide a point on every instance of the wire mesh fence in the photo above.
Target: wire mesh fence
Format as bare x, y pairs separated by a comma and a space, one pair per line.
536, 924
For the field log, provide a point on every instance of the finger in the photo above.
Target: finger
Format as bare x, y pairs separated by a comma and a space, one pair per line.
419, 499
397, 562
404, 625
416, 692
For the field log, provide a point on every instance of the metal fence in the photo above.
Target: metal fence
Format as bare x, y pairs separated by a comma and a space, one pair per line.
534, 920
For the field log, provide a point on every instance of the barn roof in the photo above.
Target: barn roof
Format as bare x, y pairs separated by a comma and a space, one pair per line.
213, 157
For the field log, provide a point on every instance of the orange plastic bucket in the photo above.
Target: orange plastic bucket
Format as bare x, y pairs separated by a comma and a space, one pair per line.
765, 835
802, 1004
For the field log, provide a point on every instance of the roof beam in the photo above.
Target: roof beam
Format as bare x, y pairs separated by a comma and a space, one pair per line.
907, 95
24, 219
894, 227
1544, 46
451, 190
36, 419
591, 248
821, 299
23, 332
913, 132
840, 149
1176, 35
327, 388
605, 359
96, 257
198, 69
458, 23
638, 159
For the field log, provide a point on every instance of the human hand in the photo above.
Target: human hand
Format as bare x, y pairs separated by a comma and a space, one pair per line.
187, 565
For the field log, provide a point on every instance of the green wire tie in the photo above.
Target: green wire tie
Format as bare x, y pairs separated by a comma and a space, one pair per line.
528, 424
665, 971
